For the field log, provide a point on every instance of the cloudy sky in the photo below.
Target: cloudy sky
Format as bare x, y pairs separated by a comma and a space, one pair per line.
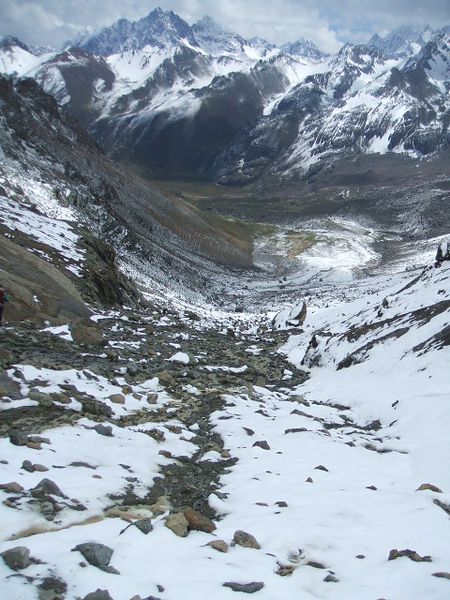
328, 23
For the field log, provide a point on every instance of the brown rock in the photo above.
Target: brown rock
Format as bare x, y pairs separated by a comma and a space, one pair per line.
442, 575
198, 522
246, 540
117, 398
12, 488
429, 486
218, 545
178, 524
411, 554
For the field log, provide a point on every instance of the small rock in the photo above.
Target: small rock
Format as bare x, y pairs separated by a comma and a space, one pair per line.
95, 407
331, 579
442, 575
247, 540
12, 488
98, 595
295, 430
144, 525
117, 398
133, 369
285, 570
52, 588
178, 524
248, 431
219, 545
198, 522
262, 444
152, 398
360, 556
41, 398
247, 588
27, 465
18, 438
281, 504
39, 468
17, 558
411, 554
429, 486
165, 453
96, 554
105, 430
315, 564
46, 487
309, 480
321, 468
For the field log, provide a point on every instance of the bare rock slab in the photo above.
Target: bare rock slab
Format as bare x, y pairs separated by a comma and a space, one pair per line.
247, 588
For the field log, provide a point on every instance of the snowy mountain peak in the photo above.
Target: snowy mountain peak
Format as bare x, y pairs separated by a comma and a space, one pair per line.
215, 39
402, 41
159, 29
8, 42
304, 48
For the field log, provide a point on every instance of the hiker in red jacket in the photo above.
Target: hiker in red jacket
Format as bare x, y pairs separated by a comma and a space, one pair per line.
3, 298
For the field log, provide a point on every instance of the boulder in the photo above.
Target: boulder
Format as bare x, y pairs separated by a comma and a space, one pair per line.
86, 333
178, 524
17, 558
198, 522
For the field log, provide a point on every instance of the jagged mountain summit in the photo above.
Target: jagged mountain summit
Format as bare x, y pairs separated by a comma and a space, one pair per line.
304, 48
201, 101
403, 41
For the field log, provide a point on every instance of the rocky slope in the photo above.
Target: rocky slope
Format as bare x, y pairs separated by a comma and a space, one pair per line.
60, 194
168, 437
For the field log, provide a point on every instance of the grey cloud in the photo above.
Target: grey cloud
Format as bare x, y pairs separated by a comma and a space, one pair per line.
327, 22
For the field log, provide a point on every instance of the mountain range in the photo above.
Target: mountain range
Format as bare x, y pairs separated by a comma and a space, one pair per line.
201, 101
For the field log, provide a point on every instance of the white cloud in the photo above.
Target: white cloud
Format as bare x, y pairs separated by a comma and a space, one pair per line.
326, 22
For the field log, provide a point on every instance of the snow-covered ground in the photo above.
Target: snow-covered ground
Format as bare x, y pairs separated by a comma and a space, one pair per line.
326, 476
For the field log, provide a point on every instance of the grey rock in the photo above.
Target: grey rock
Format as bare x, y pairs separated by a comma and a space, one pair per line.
247, 588
52, 588
27, 465
96, 554
98, 595
41, 398
331, 578
13, 487
144, 525
132, 369
46, 487
105, 430
262, 444
17, 558
18, 438
95, 407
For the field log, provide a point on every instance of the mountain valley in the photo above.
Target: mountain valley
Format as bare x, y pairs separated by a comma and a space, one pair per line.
224, 359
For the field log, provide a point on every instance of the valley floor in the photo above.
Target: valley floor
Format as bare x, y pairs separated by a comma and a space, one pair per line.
207, 460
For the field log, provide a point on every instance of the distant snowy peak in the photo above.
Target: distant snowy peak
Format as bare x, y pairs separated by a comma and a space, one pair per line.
16, 58
304, 48
403, 41
159, 28
434, 58
215, 39
9, 42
